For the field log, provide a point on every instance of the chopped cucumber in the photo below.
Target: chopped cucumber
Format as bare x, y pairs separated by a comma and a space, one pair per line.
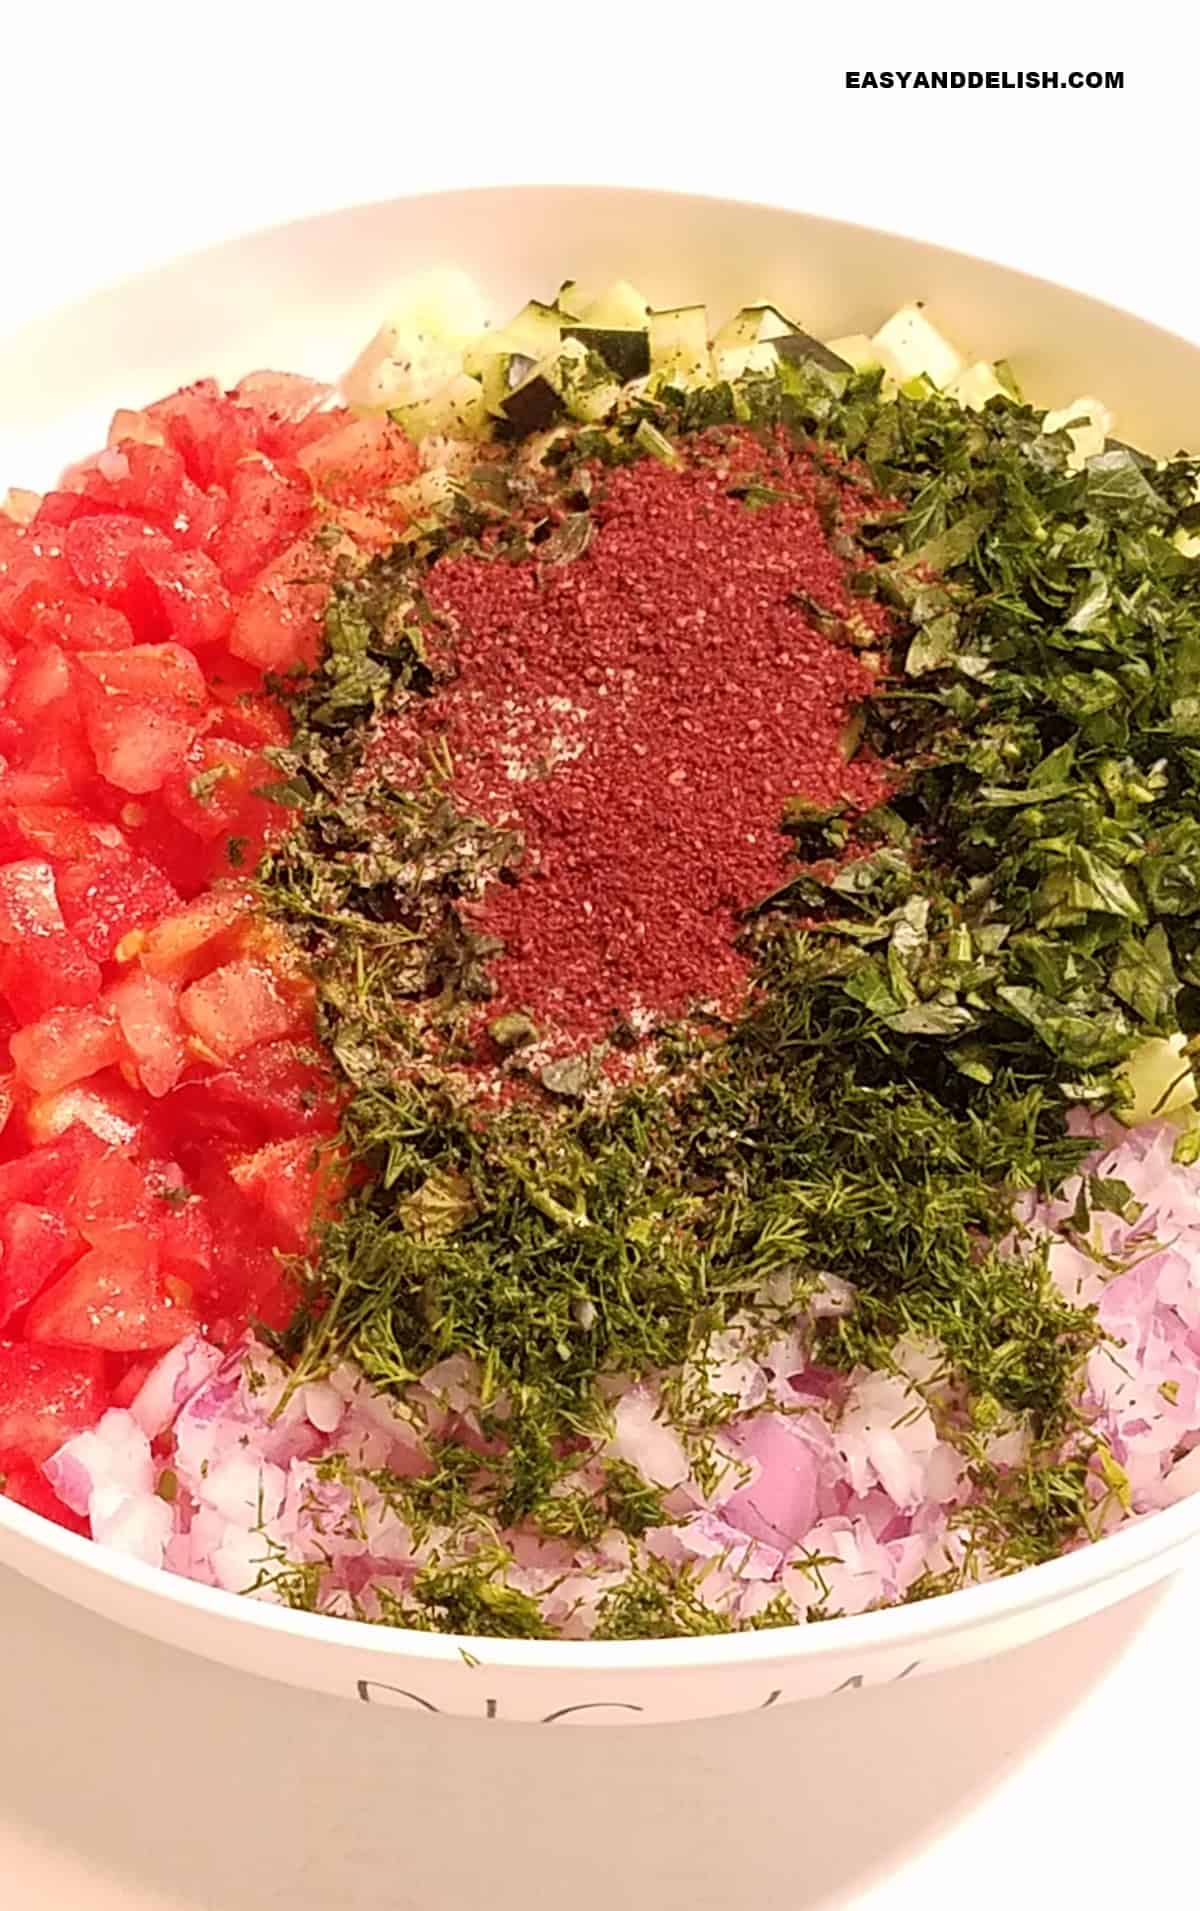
619, 308
438, 369
734, 361
1140, 458
533, 404
798, 348
1008, 383
753, 325
679, 352
534, 333
625, 351
498, 366
458, 409
572, 300
1160, 1081
535, 330
400, 369
503, 359
1086, 423
861, 353
918, 348
589, 390
571, 380
975, 387
501, 375
420, 347
439, 304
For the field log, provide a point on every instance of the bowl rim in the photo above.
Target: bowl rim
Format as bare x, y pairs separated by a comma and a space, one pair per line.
596, 190
1145, 1539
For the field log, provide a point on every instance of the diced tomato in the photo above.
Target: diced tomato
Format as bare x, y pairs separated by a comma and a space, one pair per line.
42, 676
29, 1487
66, 1046
277, 1088
28, 901
236, 1006
35, 580
137, 741
363, 455
82, 625
193, 600
114, 1299
280, 399
188, 865
8, 664
47, 972
210, 431
140, 606
46, 1395
141, 708
74, 479
278, 625
45, 829
251, 719
137, 1371
246, 1279
286, 442
284, 437
292, 1183
105, 1104
105, 898
194, 940
44, 1176
58, 508
213, 794
103, 553
56, 748
187, 1239
20, 788
34, 1243
200, 516
135, 427
147, 1011
111, 1190
141, 478
366, 529
268, 1093
166, 671
12, 536
267, 512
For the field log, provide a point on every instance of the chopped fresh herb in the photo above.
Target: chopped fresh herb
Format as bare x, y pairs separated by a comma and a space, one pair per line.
1020, 915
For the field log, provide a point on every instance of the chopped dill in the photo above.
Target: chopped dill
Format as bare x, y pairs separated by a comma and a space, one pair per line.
467, 1596
658, 1601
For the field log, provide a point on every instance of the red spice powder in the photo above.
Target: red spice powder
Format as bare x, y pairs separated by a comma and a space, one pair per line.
642, 714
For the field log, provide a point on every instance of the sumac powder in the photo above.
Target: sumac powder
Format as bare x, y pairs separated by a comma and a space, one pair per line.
642, 714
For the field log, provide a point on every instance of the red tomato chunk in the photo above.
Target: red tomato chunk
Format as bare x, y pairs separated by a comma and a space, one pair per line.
165, 1121
237, 1006
46, 1395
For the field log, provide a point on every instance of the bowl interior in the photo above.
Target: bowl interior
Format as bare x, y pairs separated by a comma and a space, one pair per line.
305, 298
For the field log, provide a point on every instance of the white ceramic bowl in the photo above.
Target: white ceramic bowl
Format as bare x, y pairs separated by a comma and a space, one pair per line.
305, 298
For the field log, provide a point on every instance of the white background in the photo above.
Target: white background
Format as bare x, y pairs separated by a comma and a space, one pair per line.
131, 1777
